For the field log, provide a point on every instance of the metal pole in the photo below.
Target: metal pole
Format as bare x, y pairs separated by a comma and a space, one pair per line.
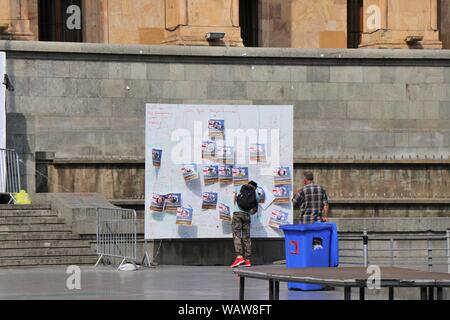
18, 173
429, 254
431, 293
440, 295
448, 250
391, 293
271, 289
241, 287
423, 293
365, 248
348, 293
277, 290
391, 244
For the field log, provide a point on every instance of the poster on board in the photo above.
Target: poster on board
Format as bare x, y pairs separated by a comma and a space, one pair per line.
207, 152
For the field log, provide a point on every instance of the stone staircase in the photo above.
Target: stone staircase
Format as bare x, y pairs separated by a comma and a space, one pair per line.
33, 236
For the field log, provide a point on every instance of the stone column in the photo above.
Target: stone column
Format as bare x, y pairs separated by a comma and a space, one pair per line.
401, 24
14, 20
188, 21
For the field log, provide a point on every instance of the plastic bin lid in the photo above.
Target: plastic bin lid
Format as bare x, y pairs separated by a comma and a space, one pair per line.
307, 227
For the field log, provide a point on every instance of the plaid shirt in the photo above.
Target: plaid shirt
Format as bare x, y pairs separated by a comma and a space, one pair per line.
311, 200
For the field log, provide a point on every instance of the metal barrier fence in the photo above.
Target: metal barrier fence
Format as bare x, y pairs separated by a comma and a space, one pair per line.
116, 235
9, 172
435, 254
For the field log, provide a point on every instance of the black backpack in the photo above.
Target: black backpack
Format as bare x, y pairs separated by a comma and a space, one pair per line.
246, 198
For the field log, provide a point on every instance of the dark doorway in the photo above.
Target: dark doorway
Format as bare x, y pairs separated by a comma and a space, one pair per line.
53, 17
355, 16
249, 21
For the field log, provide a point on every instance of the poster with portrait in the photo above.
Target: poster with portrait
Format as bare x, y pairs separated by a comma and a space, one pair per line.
240, 176
157, 204
216, 128
172, 202
208, 150
278, 218
282, 194
226, 173
209, 200
189, 172
184, 216
210, 174
156, 157
258, 152
225, 155
281, 176
224, 212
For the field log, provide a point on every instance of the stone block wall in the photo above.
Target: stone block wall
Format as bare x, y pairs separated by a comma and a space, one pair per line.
373, 124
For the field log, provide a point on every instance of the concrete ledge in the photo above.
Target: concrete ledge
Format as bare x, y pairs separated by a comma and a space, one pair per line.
8, 207
139, 160
79, 209
392, 225
282, 55
436, 201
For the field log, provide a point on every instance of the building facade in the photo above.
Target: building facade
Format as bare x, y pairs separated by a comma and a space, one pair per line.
256, 23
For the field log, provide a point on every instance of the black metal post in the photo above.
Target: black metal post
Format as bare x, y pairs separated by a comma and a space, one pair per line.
391, 293
241, 287
362, 295
271, 289
430, 293
348, 293
277, 290
440, 295
423, 293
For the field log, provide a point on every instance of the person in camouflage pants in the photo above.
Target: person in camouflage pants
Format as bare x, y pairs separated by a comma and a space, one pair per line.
240, 225
241, 234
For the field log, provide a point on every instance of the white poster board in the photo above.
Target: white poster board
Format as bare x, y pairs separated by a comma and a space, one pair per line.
175, 135
2, 119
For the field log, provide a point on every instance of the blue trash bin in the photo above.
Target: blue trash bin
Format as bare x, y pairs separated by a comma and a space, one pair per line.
310, 246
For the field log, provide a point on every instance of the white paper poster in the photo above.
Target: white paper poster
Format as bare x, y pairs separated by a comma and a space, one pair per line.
202, 147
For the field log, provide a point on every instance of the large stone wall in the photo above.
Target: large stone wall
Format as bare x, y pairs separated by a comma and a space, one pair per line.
374, 124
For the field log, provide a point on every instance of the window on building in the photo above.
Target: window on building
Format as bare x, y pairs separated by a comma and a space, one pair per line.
249, 21
355, 16
60, 20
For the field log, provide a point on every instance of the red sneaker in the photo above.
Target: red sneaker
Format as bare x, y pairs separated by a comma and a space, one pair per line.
237, 262
247, 263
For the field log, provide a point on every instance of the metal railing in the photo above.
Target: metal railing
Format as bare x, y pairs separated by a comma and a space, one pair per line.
428, 251
116, 235
9, 172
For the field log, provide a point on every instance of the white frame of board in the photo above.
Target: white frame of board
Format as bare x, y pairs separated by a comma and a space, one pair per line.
167, 125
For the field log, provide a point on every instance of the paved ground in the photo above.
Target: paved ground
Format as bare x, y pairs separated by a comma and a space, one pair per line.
162, 282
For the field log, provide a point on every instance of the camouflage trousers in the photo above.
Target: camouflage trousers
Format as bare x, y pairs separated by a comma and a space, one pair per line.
241, 234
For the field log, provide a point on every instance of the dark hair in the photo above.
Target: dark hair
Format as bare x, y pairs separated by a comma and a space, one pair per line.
253, 183
308, 175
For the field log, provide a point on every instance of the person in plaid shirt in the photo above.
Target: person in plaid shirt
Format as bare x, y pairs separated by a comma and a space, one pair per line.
312, 200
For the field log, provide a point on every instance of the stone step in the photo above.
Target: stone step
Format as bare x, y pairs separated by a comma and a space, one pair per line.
30, 220
26, 213
37, 236
56, 243
57, 227
45, 252
47, 261
32, 207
